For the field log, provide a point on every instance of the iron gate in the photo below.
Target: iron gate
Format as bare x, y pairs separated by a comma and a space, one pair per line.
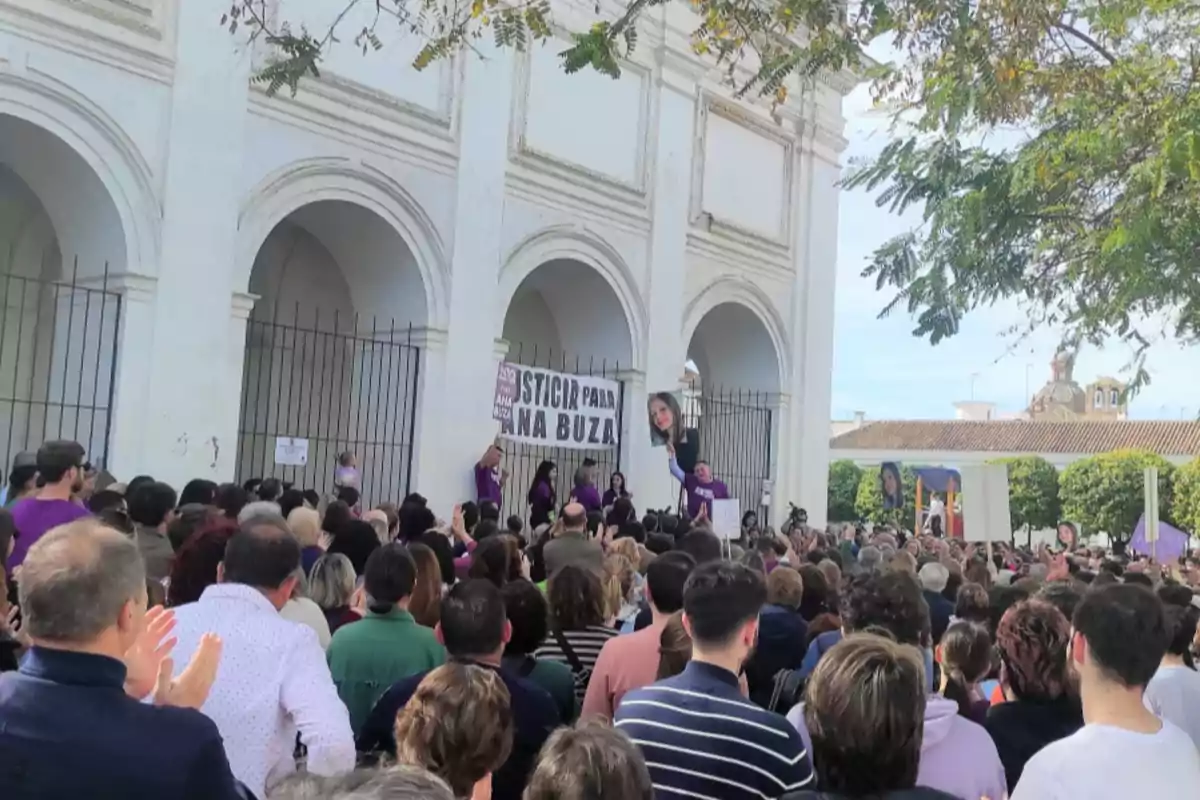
339, 386
58, 358
735, 428
521, 459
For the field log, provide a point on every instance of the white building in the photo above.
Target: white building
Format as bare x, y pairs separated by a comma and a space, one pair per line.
348, 265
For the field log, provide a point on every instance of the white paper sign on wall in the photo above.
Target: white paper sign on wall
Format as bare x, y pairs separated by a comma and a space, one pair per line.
727, 518
290, 451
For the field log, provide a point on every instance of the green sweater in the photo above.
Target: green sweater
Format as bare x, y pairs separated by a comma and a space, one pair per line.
368, 656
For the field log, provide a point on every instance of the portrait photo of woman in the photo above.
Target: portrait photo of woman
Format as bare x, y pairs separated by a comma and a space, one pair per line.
893, 487
667, 427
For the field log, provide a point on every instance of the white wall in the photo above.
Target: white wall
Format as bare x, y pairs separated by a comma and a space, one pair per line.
628, 222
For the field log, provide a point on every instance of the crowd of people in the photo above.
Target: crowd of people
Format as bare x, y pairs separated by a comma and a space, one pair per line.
264, 641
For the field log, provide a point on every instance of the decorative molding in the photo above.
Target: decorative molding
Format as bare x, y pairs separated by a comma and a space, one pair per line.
565, 194
141, 55
360, 183
540, 163
241, 304
575, 243
132, 286
737, 289
43, 100
702, 220
141, 16
741, 253
501, 348
353, 112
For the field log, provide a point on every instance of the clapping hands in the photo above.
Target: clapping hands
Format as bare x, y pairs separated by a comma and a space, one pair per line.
149, 665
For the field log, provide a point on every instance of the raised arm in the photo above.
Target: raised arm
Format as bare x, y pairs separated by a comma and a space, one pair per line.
676, 470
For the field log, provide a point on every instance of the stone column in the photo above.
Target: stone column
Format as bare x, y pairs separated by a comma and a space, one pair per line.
813, 310
191, 428
665, 354
457, 413
130, 378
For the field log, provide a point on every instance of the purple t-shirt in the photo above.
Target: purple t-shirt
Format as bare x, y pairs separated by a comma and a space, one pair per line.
487, 484
33, 517
702, 494
589, 497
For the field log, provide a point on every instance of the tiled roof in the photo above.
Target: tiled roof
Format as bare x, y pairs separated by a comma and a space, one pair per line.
1023, 436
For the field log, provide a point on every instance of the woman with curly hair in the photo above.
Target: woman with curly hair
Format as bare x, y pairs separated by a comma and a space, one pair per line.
577, 629
1040, 705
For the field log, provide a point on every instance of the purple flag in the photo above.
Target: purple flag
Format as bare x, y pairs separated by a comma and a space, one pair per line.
1172, 542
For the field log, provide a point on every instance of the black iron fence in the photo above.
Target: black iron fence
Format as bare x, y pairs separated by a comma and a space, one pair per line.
521, 459
58, 357
316, 386
735, 429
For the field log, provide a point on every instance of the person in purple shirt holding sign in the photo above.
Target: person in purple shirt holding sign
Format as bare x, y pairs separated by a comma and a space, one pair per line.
700, 486
489, 477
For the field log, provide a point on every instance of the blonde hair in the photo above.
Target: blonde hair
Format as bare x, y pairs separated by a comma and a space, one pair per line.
618, 583
305, 525
458, 725
627, 547
785, 587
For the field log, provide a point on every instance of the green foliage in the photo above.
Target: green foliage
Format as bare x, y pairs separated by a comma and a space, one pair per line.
1088, 219
1185, 507
1032, 492
1105, 492
868, 501
844, 479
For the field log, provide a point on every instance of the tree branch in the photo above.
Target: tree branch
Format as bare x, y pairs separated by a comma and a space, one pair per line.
1089, 41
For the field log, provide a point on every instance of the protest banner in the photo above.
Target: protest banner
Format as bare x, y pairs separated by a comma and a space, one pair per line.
540, 406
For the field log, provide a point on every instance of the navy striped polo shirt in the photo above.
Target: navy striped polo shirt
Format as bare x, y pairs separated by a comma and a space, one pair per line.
702, 739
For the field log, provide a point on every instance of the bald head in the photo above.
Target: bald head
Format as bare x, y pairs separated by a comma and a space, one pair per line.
574, 517
76, 580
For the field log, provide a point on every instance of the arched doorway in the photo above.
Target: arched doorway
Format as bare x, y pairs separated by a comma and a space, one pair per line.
566, 317
731, 394
61, 236
331, 362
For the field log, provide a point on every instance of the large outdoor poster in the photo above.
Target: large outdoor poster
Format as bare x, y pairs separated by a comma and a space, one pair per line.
540, 406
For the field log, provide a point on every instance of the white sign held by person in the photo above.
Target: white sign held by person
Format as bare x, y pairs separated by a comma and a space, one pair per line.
986, 515
727, 518
540, 406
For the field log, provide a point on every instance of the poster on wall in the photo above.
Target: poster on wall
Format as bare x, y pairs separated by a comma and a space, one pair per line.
669, 428
541, 406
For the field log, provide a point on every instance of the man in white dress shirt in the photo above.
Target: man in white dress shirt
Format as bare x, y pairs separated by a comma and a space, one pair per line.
273, 680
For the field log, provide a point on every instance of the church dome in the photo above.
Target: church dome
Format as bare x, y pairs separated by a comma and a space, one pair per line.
1061, 391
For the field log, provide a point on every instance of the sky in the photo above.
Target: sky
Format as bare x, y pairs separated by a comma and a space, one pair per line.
881, 369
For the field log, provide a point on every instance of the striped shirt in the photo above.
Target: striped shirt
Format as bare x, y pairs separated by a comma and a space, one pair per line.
586, 645
702, 739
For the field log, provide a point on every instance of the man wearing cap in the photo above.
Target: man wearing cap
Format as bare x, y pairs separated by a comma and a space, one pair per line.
489, 478
22, 478
60, 466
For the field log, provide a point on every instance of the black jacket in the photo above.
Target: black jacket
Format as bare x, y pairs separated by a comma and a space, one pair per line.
1023, 727
782, 637
916, 793
940, 611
